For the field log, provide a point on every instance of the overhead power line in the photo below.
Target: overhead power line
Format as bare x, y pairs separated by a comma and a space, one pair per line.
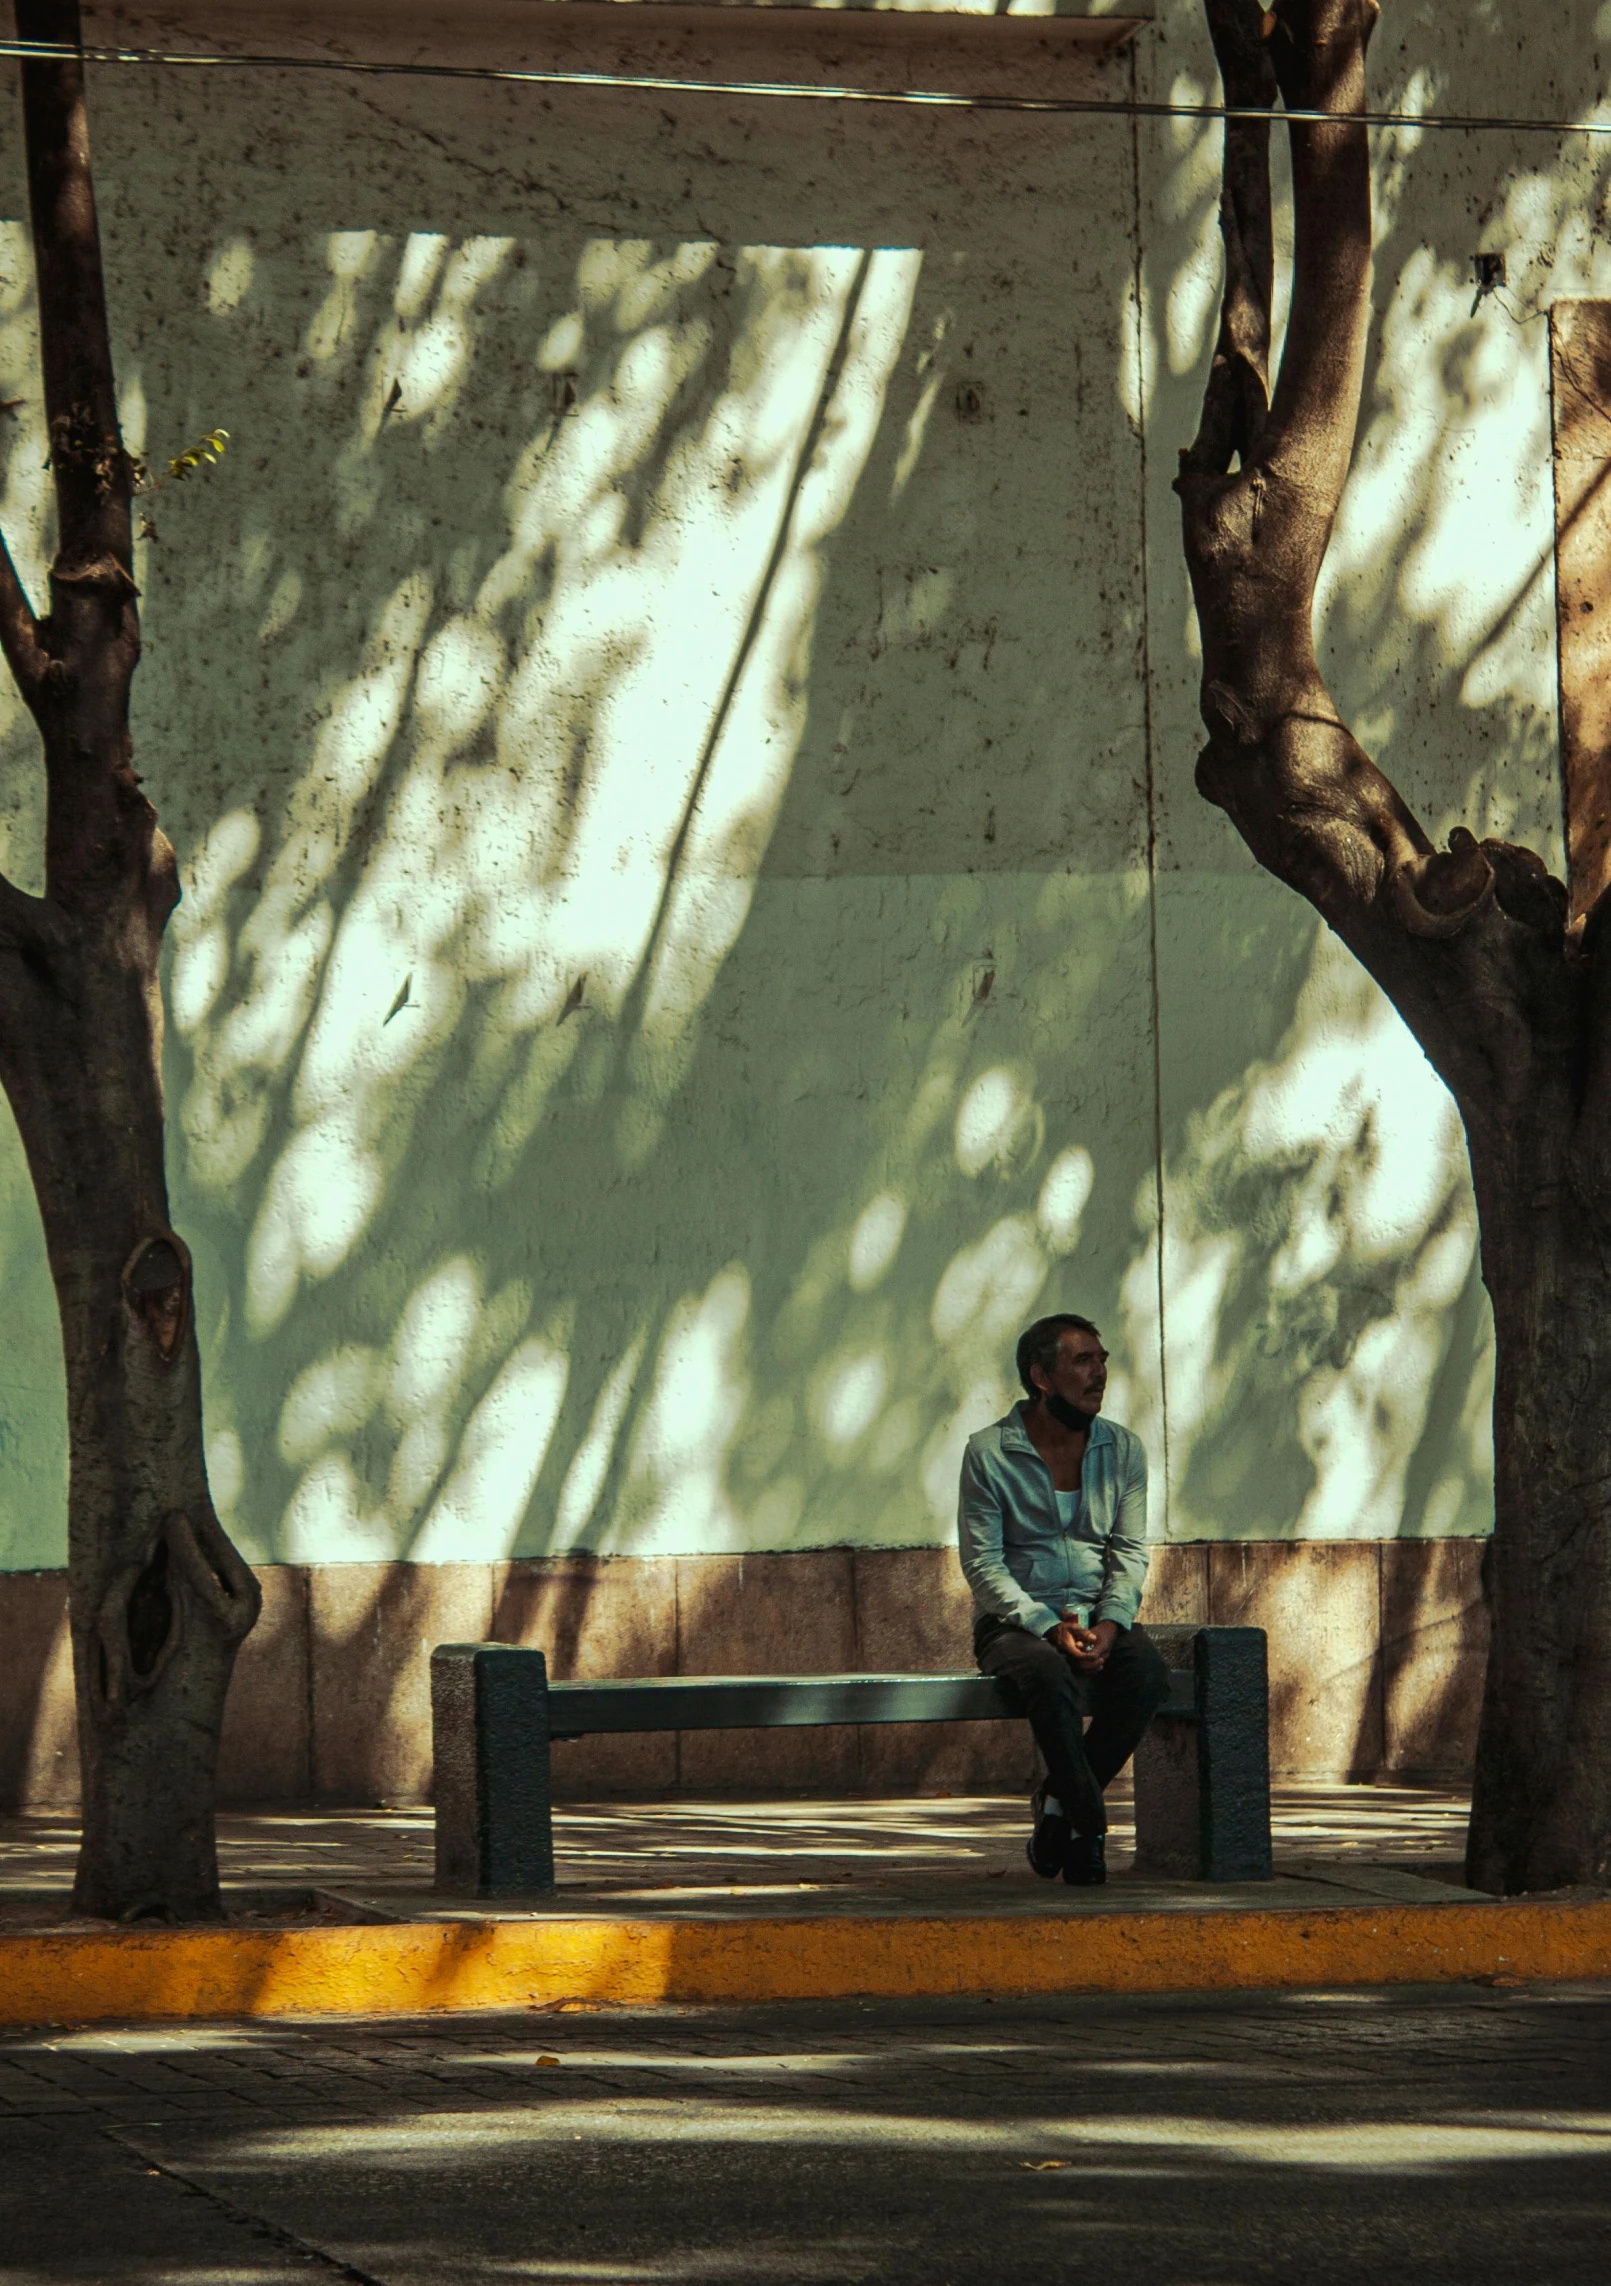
664, 83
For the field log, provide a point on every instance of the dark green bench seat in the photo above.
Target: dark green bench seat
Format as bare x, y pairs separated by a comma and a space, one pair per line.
1202, 1774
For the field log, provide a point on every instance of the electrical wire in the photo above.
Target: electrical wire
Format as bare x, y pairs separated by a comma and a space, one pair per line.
661, 83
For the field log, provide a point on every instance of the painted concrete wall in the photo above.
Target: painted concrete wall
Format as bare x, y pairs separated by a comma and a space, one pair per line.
1376, 1658
678, 712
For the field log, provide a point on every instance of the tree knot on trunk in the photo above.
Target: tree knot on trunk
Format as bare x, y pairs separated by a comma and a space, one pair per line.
1438, 894
79, 445
149, 1619
1525, 889
54, 673
156, 1288
1229, 717
92, 572
138, 1629
190, 1583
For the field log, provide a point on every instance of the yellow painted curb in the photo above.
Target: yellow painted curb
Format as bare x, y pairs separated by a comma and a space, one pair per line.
389, 1969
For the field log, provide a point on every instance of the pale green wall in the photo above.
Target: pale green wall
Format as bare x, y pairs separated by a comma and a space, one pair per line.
729, 1251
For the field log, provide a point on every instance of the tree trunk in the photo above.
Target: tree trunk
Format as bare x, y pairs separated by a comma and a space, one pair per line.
159, 1599
1541, 1808
1471, 943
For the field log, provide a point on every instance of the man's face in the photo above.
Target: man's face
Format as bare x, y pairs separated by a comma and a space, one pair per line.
1080, 1375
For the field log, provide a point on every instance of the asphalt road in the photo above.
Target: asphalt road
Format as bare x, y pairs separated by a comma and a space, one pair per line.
1455, 2135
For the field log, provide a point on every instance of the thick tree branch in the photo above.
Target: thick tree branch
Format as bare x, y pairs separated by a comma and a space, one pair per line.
28, 925
94, 477
1310, 803
25, 653
22, 918
1317, 49
1467, 941
1236, 400
104, 859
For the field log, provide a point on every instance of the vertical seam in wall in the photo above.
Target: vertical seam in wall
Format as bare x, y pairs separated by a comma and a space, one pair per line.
1561, 750
1153, 997
1381, 1652
307, 1679
857, 1661
676, 1664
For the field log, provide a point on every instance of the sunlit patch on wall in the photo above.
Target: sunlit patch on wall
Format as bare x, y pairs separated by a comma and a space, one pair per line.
432, 1344
230, 278
1061, 1205
316, 1203
677, 1465
226, 1468
1193, 304
500, 1452
562, 345
460, 675
986, 1288
933, 372
348, 254
328, 1519
283, 604
583, 1486
134, 413
419, 373
328, 1402
846, 1395
875, 1240
997, 1121
417, 272
450, 1336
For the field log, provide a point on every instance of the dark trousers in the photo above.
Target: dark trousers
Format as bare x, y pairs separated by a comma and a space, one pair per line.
1121, 1700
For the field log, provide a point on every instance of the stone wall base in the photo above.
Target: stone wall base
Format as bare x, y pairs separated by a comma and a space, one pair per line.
1376, 1655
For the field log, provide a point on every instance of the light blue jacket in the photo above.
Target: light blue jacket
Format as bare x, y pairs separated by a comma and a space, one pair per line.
1021, 1561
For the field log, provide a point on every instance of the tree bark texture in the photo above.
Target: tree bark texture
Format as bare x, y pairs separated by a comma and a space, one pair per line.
159, 1599
1508, 998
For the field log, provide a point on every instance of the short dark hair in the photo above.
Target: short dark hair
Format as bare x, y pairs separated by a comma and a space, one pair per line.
1039, 1344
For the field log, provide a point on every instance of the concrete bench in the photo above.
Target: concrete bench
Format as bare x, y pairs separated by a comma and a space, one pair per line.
1202, 1776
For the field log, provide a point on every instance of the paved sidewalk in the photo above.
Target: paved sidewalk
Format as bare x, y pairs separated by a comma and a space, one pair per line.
1333, 1845
721, 1903
1454, 2137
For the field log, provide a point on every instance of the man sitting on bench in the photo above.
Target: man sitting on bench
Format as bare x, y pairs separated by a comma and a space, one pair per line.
1053, 1531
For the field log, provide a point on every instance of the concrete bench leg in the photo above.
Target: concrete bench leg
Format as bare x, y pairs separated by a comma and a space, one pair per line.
1203, 1788
489, 1731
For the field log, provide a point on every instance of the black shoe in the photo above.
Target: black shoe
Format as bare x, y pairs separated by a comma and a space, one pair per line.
1085, 1861
1048, 1844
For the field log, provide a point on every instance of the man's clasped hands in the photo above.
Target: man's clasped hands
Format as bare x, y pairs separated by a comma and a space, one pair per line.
1088, 1647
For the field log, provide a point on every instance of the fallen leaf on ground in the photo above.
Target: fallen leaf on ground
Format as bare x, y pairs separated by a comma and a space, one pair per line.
548, 2059
1042, 2166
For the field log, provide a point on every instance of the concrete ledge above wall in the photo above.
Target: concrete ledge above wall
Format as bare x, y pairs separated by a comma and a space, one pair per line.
940, 50
1376, 1655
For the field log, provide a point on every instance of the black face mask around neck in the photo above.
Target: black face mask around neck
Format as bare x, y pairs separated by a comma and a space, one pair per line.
1069, 1415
